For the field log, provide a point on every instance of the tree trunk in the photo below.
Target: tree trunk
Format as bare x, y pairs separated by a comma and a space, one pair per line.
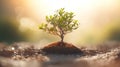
62, 37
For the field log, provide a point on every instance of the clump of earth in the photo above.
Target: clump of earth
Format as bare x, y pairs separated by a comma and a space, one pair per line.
65, 49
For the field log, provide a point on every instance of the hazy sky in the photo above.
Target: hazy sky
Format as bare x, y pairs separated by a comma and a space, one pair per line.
88, 12
92, 14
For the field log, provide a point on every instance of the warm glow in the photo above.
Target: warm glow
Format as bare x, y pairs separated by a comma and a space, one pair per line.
85, 10
26, 23
93, 15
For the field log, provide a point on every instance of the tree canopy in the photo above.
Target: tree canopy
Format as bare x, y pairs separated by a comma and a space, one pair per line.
60, 23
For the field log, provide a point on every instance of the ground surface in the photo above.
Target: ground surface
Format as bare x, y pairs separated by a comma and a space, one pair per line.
104, 55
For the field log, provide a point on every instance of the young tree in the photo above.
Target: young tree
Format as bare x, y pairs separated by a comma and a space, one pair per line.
60, 23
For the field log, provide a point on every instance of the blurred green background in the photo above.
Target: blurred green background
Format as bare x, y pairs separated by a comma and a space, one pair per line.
99, 20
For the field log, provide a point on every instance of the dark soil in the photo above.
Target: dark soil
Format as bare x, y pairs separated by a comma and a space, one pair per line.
65, 48
56, 55
52, 48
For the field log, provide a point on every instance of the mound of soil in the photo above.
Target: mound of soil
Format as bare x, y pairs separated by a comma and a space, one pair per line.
65, 48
